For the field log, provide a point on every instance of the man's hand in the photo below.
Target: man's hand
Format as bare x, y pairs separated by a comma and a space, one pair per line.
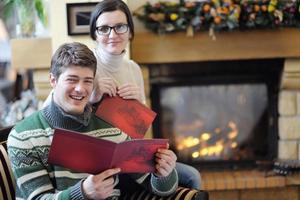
165, 162
100, 186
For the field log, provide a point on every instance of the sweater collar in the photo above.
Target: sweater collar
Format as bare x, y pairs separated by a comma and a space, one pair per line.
58, 118
109, 62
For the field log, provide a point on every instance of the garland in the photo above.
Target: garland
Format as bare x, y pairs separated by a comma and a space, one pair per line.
219, 15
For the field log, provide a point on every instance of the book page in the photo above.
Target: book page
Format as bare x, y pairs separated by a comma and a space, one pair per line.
137, 155
81, 152
87, 154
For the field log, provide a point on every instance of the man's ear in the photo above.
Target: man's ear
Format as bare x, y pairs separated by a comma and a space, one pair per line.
53, 80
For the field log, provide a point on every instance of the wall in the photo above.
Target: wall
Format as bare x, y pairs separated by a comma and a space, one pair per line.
58, 24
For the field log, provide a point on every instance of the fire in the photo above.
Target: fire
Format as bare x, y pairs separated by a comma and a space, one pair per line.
195, 154
188, 142
234, 145
211, 144
212, 150
205, 136
234, 132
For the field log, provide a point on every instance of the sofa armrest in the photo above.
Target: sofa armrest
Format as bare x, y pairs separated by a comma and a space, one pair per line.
7, 182
181, 193
132, 191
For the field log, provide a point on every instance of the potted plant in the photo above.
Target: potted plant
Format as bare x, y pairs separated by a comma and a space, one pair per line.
26, 11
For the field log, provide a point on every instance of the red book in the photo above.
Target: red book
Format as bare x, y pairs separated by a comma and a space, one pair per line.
131, 116
92, 155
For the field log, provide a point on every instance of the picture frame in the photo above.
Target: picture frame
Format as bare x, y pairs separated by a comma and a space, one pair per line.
78, 17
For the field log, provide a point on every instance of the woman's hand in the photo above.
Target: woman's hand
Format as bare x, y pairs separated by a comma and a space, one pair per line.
130, 91
165, 162
107, 86
100, 186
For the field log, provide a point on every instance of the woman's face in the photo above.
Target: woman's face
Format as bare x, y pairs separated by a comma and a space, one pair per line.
113, 43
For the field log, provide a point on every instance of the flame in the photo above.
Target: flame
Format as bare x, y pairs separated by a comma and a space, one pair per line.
232, 125
195, 154
234, 145
205, 136
234, 132
210, 144
212, 150
188, 142
217, 130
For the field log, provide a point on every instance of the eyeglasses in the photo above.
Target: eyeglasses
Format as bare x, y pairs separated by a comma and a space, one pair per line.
119, 29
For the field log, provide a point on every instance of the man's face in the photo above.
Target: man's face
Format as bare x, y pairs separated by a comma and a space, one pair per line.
73, 88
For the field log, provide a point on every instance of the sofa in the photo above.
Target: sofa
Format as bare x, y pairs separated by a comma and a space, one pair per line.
134, 192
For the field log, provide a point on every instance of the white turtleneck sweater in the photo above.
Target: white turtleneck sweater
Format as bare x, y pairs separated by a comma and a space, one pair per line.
121, 69
117, 67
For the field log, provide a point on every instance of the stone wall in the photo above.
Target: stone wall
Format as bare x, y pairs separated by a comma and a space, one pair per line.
289, 111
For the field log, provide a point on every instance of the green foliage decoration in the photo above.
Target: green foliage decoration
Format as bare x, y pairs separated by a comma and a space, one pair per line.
26, 10
219, 15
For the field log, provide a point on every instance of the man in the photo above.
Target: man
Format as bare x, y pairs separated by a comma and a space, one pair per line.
72, 72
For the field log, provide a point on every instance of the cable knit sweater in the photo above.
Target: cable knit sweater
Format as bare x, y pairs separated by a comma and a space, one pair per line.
29, 144
120, 69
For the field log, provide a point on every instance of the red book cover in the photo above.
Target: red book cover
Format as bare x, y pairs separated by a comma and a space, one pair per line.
92, 155
131, 116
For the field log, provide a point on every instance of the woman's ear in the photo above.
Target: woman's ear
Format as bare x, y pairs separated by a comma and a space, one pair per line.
52, 80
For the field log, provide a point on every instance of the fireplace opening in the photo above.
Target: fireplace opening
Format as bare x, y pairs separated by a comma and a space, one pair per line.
220, 114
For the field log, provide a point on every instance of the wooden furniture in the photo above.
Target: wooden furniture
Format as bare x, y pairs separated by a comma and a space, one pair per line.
151, 48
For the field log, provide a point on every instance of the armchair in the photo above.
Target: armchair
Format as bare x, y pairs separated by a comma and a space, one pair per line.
133, 191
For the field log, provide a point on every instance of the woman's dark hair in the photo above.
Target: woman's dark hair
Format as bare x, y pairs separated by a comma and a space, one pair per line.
109, 6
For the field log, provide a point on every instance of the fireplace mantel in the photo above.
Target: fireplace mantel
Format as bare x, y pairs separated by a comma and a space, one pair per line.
150, 48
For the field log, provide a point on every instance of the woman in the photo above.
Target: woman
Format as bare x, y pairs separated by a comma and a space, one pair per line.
111, 26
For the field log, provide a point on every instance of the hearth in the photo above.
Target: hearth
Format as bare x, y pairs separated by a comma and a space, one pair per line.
220, 114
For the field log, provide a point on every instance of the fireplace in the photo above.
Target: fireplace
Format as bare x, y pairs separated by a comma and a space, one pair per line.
218, 113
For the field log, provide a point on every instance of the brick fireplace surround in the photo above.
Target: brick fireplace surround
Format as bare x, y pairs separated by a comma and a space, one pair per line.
148, 48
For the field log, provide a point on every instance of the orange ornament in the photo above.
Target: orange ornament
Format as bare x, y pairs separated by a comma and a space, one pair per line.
256, 8
264, 8
206, 8
217, 19
219, 10
225, 10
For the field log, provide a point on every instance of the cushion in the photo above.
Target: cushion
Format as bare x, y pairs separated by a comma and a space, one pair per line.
7, 182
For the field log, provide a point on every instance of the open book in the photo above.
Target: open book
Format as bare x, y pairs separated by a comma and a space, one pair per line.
131, 116
84, 153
